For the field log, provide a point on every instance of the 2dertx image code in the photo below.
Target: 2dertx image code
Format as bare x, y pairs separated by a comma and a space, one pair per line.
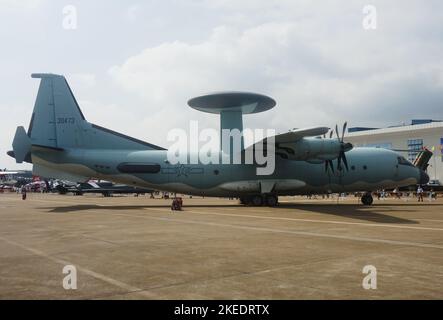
223, 309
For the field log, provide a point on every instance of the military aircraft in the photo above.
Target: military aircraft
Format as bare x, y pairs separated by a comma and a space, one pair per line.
107, 189
6, 177
61, 144
11, 178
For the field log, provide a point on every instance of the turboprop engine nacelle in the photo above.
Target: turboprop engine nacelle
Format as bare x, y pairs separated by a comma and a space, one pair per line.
312, 149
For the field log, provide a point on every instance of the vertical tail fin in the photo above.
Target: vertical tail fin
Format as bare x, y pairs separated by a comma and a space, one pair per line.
57, 118
57, 121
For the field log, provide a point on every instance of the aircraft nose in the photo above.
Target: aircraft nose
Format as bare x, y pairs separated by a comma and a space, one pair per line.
424, 178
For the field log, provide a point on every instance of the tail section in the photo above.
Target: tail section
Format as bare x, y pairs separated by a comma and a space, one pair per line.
57, 121
58, 128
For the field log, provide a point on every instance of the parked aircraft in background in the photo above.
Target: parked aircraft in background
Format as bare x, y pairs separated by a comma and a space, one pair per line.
105, 188
11, 178
61, 144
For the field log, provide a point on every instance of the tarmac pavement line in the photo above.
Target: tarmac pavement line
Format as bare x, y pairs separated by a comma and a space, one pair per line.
96, 275
302, 233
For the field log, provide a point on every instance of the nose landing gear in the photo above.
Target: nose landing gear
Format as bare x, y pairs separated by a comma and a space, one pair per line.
367, 199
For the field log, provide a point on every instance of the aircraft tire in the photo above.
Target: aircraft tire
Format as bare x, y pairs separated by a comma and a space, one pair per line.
271, 200
367, 199
257, 201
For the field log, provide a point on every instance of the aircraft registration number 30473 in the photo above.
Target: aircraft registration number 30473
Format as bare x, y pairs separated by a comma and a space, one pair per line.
65, 120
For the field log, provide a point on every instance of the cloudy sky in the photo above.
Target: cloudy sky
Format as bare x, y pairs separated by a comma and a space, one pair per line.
134, 64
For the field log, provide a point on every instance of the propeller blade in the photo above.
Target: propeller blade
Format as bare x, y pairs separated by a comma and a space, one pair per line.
331, 133
339, 162
344, 130
345, 162
329, 164
336, 131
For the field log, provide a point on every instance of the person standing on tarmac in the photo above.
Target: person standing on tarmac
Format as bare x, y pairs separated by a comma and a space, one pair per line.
420, 194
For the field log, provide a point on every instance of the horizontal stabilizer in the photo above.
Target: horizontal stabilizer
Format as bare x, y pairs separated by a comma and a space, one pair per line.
21, 145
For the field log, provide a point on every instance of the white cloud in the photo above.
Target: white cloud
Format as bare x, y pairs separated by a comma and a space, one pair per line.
165, 77
316, 76
181, 69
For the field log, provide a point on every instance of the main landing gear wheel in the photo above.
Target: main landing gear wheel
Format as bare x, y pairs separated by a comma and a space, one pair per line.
257, 200
367, 199
271, 200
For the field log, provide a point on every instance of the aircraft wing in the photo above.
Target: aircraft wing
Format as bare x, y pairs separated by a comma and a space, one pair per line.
298, 134
292, 136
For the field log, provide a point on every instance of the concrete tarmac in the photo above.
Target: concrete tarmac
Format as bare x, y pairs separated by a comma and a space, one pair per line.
127, 247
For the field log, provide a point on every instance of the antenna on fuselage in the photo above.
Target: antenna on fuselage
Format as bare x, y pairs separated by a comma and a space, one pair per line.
231, 106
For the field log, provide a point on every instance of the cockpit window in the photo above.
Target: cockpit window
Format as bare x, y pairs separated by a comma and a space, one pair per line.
403, 161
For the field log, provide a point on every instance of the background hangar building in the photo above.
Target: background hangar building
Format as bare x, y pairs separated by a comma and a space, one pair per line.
407, 140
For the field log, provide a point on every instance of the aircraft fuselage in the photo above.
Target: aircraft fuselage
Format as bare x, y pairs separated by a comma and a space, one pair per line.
369, 169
